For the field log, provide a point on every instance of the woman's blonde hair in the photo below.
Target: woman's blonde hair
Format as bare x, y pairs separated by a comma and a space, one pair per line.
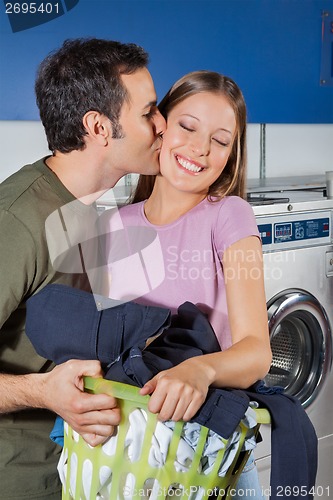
232, 179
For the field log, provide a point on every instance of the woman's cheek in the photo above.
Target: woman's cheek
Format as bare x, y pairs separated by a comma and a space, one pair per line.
163, 157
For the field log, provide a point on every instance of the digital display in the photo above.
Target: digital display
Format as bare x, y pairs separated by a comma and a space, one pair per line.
283, 231
301, 230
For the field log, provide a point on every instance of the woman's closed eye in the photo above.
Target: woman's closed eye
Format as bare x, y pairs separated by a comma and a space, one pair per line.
186, 127
221, 142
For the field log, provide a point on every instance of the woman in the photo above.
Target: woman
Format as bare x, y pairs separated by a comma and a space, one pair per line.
209, 240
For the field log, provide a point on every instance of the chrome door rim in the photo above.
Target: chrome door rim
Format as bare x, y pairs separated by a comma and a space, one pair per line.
301, 343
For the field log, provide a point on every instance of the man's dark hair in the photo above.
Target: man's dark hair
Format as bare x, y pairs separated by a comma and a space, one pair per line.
83, 75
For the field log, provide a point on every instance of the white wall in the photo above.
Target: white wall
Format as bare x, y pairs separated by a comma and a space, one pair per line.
290, 149
22, 142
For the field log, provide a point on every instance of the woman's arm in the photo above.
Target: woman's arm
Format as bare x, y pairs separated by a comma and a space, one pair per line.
249, 357
179, 392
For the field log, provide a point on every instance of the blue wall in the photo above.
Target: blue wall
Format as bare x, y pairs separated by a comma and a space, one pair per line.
272, 48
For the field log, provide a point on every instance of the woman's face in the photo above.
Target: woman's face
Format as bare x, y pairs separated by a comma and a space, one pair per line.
198, 141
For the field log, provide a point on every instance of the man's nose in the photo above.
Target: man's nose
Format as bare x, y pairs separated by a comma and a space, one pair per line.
159, 122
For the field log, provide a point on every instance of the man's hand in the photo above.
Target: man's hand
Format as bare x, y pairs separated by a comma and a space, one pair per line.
91, 415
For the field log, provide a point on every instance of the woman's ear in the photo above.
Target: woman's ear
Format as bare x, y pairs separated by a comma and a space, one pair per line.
98, 127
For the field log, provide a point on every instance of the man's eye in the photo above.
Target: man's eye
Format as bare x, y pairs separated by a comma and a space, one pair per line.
151, 112
149, 115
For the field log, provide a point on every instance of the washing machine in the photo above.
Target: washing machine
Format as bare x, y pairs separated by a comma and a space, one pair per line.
296, 228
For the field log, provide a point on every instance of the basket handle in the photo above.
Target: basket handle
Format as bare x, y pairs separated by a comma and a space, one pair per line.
116, 389
263, 416
124, 391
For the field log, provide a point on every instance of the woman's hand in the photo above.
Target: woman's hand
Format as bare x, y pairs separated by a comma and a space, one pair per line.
178, 393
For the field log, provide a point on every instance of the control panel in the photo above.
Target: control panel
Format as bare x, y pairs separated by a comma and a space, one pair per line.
294, 231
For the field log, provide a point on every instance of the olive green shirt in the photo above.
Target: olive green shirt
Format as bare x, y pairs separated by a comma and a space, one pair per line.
28, 458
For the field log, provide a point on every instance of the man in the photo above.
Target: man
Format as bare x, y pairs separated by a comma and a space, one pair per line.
97, 103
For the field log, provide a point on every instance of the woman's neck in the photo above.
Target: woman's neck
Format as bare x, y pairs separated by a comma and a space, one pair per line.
166, 204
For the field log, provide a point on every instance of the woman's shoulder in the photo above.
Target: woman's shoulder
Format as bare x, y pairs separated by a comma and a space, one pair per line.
132, 209
233, 211
117, 217
239, 203
230, 204
235, 220
128, 207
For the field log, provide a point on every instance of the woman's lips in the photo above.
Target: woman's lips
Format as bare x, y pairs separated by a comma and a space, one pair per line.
189, 165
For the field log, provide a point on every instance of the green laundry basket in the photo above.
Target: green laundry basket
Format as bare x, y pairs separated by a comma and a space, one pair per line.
139, 480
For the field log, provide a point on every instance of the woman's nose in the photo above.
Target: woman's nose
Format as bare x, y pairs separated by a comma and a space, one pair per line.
200, 146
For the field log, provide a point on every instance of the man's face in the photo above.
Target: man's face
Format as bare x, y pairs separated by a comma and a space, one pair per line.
142, 125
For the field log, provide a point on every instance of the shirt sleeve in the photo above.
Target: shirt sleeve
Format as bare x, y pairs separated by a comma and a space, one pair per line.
235, 221
17, 263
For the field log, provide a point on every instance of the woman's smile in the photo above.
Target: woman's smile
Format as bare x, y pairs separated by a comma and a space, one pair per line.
189, 165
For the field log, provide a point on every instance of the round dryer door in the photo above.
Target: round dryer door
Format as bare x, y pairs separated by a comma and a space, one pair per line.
301, 344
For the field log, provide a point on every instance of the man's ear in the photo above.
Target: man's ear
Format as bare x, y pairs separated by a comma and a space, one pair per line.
98, 127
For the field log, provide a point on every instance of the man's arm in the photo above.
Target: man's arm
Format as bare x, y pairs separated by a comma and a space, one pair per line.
61, 391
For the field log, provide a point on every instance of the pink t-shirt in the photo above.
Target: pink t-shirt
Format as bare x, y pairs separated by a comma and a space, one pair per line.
170, 264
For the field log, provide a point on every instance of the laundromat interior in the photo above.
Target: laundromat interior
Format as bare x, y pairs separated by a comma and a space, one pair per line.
280, 52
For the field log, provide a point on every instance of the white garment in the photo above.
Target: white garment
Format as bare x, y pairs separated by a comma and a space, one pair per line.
158, 454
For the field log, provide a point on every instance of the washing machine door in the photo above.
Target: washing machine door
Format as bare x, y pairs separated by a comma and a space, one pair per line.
301, 344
